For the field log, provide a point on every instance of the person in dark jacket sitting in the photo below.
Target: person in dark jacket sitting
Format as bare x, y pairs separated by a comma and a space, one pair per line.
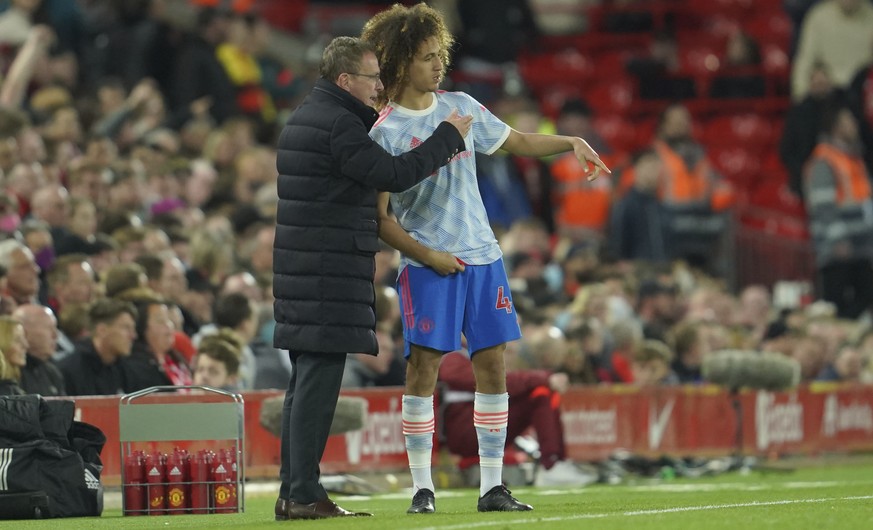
98, 364
324, 252
40, 375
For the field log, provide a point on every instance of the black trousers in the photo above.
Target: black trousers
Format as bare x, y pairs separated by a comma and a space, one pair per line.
849, 285
307, 414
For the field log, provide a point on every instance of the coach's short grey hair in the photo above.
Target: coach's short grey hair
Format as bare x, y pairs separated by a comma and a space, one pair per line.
343, 55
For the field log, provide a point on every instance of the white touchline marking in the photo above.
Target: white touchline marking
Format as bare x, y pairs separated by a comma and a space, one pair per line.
678, 509
650, 488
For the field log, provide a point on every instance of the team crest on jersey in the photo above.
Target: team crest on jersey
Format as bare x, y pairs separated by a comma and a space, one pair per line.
414, 143
425, 325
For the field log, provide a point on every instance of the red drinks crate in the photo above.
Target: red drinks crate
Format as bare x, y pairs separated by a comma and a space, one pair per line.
203, 472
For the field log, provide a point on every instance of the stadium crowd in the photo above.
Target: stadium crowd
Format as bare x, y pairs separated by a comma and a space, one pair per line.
137, 163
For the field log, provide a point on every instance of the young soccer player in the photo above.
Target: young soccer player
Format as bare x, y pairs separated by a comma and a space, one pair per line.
452, 278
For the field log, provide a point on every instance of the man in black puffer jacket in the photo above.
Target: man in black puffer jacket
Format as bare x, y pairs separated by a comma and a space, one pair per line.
323, 254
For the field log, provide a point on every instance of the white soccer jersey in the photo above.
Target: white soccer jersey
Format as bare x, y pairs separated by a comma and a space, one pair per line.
445, 211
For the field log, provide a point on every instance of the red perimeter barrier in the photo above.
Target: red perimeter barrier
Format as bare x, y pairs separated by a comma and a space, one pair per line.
682, 421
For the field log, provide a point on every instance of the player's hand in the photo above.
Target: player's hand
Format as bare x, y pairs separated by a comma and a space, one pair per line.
589, 159
443, 262
462, 123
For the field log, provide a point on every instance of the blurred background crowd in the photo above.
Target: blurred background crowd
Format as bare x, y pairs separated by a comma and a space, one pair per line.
137, 167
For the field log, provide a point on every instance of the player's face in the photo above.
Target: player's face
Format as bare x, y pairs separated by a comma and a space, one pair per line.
426, 69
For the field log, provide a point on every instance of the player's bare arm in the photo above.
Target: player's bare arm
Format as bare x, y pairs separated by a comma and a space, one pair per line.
540, 145
392, 233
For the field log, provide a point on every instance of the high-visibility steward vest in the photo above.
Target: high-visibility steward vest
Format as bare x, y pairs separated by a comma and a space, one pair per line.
579, 203
853, 185
681, 186
849, 195
684, 187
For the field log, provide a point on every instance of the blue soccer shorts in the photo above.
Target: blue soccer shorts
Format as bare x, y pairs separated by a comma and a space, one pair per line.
436, 309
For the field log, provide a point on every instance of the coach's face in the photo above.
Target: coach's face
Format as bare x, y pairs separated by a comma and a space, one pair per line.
364, 84
426, 68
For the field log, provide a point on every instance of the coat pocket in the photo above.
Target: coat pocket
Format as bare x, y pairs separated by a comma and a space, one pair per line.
367, 243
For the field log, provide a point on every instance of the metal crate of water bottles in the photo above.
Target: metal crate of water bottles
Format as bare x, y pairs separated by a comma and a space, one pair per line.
184, 456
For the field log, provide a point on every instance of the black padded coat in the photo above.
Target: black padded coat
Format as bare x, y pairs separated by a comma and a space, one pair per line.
326, 235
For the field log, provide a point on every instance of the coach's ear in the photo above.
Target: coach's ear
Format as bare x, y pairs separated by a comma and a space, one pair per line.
344, 81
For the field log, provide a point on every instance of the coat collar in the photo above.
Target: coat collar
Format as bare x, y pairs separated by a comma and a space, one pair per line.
367, 114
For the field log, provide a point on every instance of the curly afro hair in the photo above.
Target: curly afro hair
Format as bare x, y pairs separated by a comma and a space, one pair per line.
397, 33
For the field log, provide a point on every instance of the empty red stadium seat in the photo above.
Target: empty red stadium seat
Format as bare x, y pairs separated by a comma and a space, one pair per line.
737, 165
553, 98
612, 95
567, 67
749, 131
774, 59
700, 59
776, 196
618, 133
773, 27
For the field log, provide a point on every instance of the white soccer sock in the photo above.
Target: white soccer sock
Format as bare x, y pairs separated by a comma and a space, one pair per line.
490, 417
418, 429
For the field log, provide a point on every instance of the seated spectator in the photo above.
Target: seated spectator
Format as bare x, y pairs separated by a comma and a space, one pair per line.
10, 220
809, 351
656, 308
364, 370
584, 346
217, 361
388, 368
590, 358
99, 364
650, 364
40, 375
260, 365
71, 286
51, 204
37, 237
739, 75
8, 385
22, 272
754, 313
123, 277
153, 354
690, 346
535, 396
73, 324
166, 276
845, 368
71, 280
865, 347
13, 344
81, 229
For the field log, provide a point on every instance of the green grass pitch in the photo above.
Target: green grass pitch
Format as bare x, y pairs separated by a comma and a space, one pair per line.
820, 497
